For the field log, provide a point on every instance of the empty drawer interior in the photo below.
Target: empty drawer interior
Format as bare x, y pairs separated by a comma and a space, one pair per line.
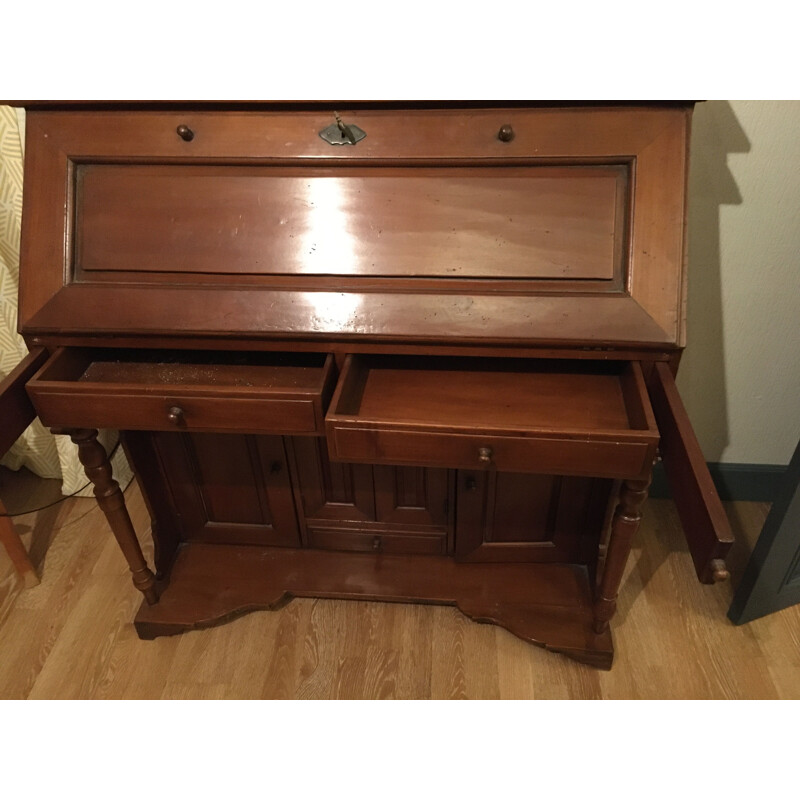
509, 396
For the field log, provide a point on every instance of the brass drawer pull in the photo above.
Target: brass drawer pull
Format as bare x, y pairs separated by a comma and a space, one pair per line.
506, 133
185, 132
175, 415
485, 455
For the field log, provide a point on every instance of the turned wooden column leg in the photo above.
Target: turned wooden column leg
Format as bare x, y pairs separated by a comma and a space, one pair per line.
16, 550
112, 502
623, 527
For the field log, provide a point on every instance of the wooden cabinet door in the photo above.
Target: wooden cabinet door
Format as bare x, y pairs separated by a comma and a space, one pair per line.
230, 488
331, 491
703, 519
412, 496
368, 501
503, 516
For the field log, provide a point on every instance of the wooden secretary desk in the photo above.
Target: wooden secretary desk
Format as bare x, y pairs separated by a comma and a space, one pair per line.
395, 351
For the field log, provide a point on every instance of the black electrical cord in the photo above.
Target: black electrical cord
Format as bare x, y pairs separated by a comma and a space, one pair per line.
66, 497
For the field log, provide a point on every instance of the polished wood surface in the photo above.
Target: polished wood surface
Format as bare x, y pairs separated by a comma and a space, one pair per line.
624, 526
602, 320
515, 231
556, 397
229, 488
703, 518
73, 637
155, 390
542, 417
505, 516
549, 605
451, 222
586, 138
109, 496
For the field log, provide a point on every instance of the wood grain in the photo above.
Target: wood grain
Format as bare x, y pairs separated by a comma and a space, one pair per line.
448, 222
140, 390
673, 640
648, 263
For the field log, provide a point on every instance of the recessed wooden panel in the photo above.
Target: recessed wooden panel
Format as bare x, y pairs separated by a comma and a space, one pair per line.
229, 489
330, 490
503, 516
225, 467
411, 496
448, 222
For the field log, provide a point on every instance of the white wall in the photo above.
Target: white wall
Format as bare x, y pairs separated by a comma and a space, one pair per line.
740, 374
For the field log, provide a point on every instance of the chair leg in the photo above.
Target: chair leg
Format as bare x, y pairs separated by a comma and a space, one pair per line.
16, 551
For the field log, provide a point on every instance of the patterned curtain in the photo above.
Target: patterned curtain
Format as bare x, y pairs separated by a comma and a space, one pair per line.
37, 449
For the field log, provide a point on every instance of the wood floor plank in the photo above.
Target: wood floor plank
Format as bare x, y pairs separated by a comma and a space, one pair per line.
72, 636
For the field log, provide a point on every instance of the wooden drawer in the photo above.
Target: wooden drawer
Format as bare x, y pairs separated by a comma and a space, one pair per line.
362, 541
564, 418
184, 390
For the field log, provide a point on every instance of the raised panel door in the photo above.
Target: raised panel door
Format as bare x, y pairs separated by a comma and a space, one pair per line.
230, 488
331, 491
412, 496
502, 516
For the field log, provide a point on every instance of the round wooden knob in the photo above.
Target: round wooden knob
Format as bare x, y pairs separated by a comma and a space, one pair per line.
719, 570
185, 132
175, 415
506, 133
485, 455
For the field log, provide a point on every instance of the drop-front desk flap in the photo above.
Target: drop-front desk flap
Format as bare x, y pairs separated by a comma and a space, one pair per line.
500, 225
407, 353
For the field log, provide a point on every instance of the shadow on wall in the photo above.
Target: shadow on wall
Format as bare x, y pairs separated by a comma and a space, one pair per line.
701, 379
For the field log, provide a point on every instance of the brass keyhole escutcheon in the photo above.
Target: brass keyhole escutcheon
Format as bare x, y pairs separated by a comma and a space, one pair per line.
342, 133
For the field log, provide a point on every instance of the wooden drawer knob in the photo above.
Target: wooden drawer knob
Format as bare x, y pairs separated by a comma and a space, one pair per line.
506, 133
485, 455
175, 415
185, 132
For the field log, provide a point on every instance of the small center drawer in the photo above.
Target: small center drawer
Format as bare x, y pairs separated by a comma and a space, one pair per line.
537, 416
361, 541
250, 392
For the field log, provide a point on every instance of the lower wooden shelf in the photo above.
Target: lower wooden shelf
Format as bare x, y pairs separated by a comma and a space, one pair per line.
549, 605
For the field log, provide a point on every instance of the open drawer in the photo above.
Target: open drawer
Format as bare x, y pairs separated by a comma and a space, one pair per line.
558, 417
160, 390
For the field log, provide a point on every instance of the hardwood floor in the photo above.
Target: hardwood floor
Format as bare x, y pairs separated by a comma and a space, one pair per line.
72, 636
